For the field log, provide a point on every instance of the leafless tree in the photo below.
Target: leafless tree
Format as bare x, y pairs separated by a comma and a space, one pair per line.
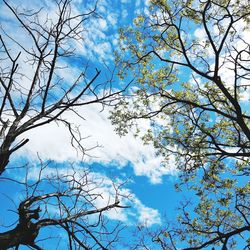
34, 92
67, 200
41, 95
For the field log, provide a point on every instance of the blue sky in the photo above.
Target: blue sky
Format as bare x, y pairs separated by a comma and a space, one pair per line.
150, 184
153, 197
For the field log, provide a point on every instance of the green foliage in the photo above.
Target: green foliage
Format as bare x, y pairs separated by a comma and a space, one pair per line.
190, 64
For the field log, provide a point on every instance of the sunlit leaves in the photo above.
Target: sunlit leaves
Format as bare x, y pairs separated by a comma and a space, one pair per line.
189, 61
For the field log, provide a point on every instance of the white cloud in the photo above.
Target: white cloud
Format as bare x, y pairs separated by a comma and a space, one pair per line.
102, 24
200, 34
235, 43
53, 142
100, 184
112, 19
97, 30
147, 216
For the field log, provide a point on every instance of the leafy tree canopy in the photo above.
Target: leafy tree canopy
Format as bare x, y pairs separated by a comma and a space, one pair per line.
190, 64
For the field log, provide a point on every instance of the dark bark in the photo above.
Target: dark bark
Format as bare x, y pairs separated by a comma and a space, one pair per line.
24, 233
21, 235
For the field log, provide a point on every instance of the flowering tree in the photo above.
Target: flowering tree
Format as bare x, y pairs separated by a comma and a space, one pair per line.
191, 63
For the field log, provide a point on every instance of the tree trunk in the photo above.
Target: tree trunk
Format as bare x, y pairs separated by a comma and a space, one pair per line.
21, 235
